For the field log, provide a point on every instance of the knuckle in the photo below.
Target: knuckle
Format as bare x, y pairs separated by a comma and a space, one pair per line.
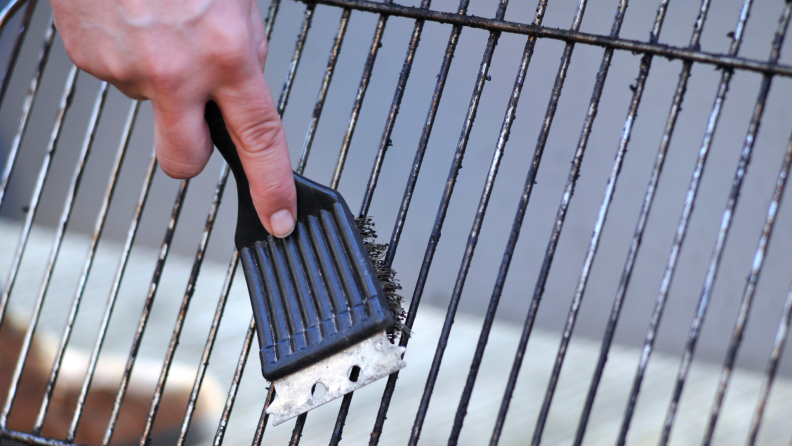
261, 138
230, 49
163, 70
163, 75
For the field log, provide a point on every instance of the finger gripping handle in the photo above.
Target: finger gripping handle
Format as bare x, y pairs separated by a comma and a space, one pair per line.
249, 228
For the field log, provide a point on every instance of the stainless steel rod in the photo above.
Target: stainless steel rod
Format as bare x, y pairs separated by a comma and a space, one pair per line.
772, 367
434, 238
632, 254
208, 347
401, 85
682, 227
365, 78
24, 119
97, 234
608, 42
298, 50
111, 299
145, 438
749, 294
5, 15
323, 89
152, 292
52, 145
68, 207
235, 381
610, 188
723, 230
404, 207
558, 224
261, 427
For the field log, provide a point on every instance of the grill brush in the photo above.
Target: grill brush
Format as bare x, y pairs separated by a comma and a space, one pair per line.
323, 317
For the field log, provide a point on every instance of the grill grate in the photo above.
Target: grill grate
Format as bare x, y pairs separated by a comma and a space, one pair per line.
691, 55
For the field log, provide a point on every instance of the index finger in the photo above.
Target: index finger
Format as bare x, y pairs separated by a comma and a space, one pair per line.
256, 129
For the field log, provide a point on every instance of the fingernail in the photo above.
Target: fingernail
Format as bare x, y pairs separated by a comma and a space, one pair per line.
282, 223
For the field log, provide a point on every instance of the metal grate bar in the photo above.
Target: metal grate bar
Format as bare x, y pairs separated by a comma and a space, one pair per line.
131, 234
635, 244
234, 389
52, 145
489, 317
10, 9
320, 100
376, 43
207, 352
188, 294
643, 74
725, 226
609, 42
557, 226
261, 427
99, 227
27, 107
162, 258
61, 230
298, 428
34, 439
298, 49
517, 225
269, 21
390, 253
338, 428
772, 365
476, 229
681, 231
442, 77
385, 141
434, 238
750, 289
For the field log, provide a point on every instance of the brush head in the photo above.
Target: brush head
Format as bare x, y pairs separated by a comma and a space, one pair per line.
313, 293
386, 276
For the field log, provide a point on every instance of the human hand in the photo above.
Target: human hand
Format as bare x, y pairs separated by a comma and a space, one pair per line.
180, 55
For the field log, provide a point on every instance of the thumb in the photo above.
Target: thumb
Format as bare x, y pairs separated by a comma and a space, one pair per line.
256, 129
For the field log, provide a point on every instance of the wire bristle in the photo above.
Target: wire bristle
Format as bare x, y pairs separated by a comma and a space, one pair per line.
386, 276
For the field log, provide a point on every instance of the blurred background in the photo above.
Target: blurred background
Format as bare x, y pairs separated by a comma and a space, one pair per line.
769, 149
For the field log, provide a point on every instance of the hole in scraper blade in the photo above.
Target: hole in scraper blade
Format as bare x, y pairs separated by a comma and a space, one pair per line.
318, 390
354, 373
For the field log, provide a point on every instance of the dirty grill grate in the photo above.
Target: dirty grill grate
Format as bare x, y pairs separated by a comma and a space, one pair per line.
727, 64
